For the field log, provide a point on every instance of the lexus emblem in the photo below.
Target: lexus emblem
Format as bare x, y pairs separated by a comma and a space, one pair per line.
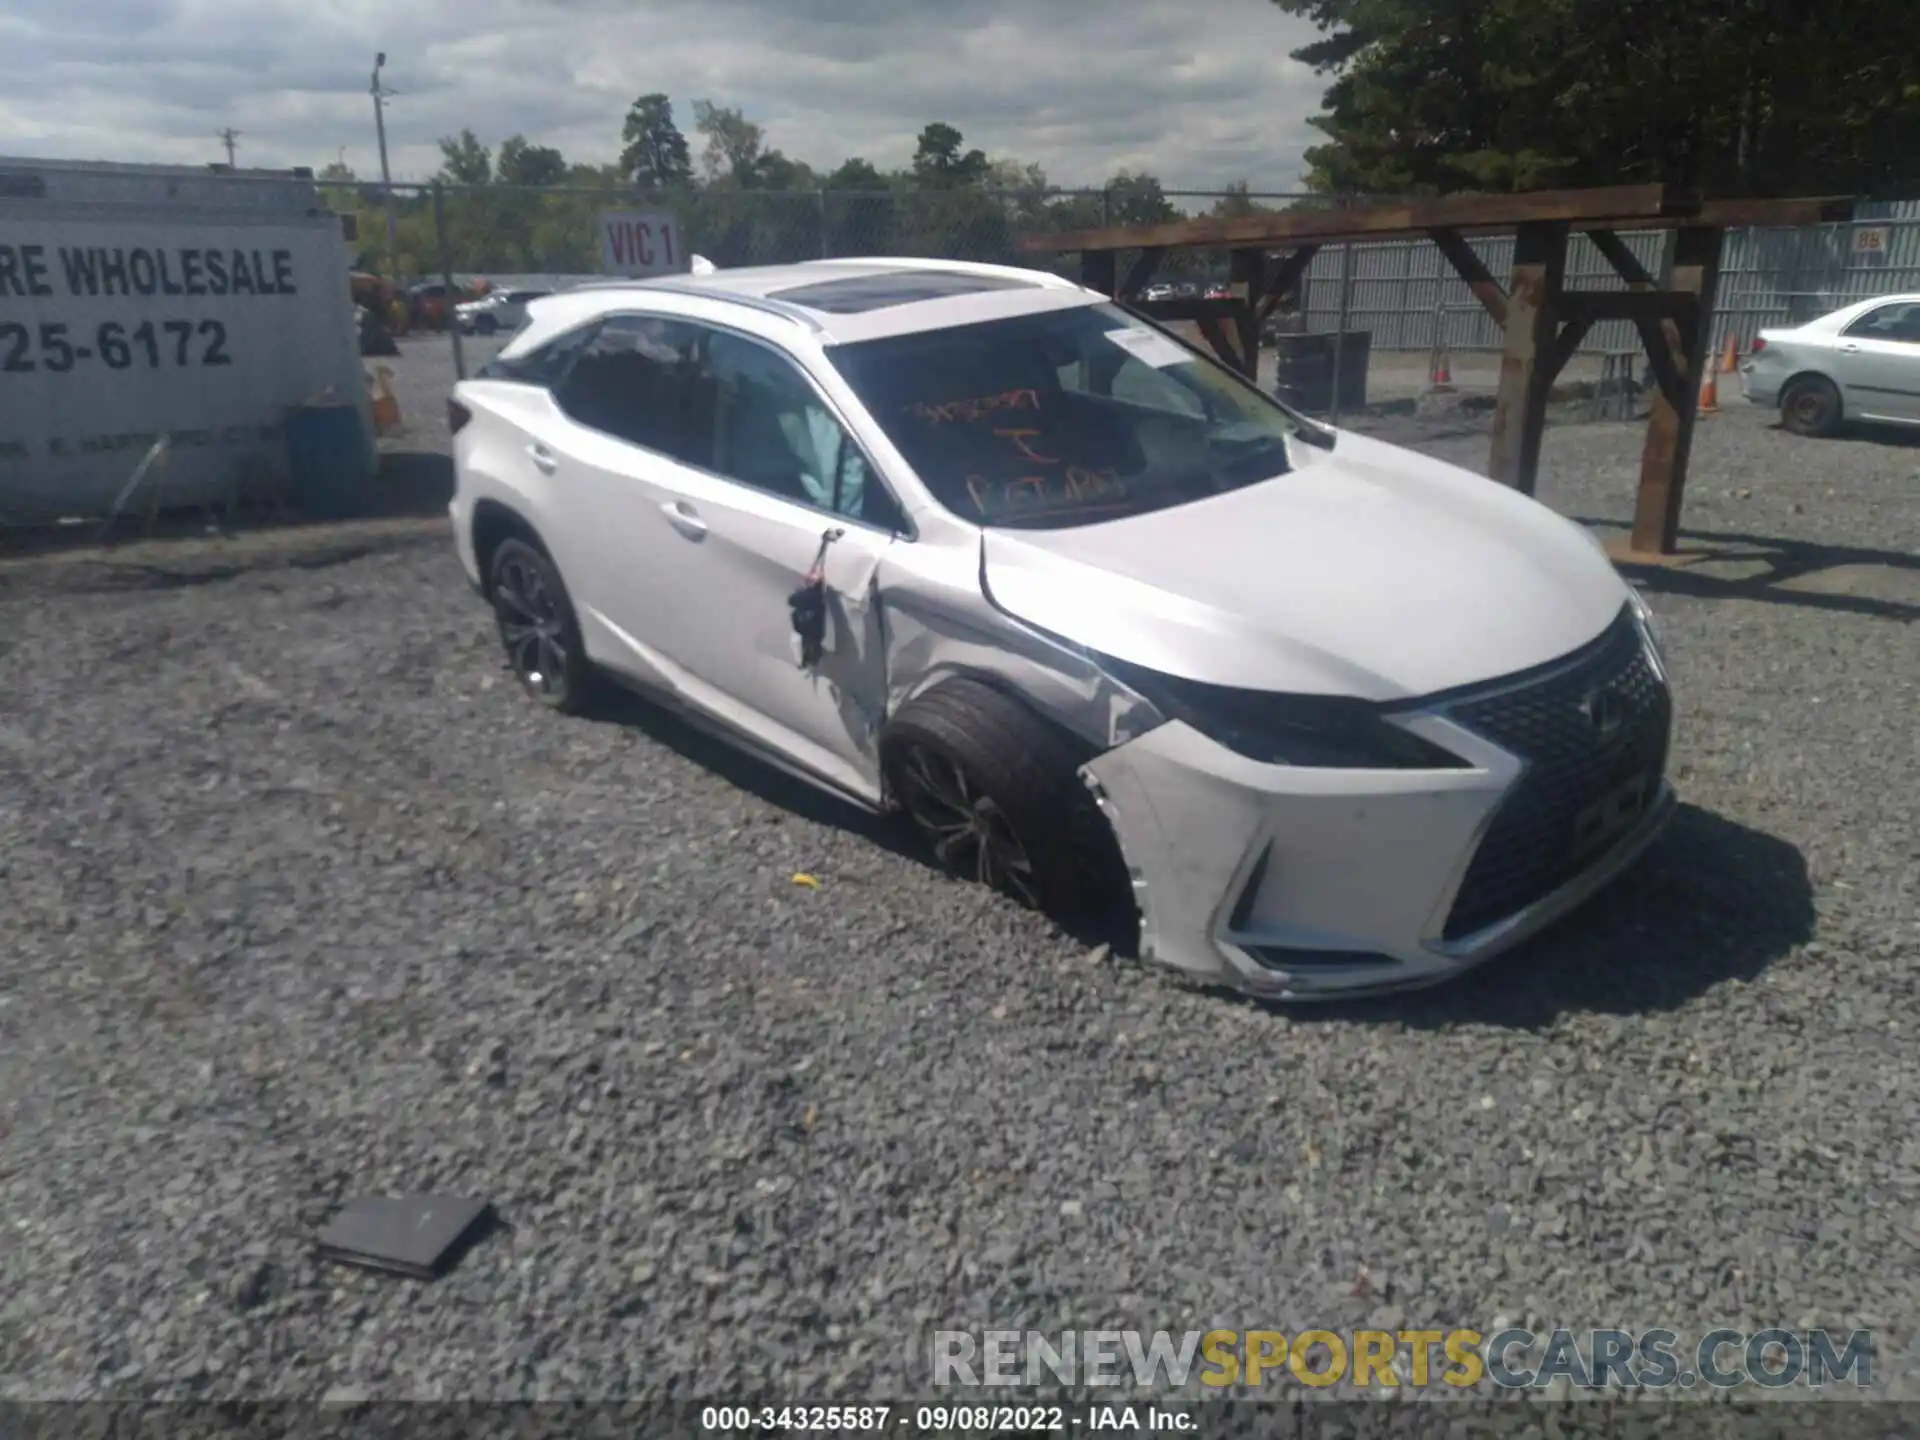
1606, 712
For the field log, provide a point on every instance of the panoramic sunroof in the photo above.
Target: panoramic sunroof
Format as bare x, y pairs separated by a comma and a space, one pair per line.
891, 287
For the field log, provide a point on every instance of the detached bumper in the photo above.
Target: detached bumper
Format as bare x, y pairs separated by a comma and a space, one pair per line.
1301, 883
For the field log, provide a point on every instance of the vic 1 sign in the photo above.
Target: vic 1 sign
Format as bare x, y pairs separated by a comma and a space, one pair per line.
647, 244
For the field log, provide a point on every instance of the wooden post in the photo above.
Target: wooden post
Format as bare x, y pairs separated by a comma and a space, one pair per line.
1248, 276
1663, 462
1520, 415
1098, 271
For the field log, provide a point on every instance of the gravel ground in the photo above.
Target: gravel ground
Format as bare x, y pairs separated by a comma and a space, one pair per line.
304, 902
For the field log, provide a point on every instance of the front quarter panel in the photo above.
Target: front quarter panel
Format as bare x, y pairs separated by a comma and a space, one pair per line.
939, 625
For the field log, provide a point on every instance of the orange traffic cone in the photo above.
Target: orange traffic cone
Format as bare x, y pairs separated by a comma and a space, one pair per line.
1709, 393
1730, 360
386, 405
1443, 373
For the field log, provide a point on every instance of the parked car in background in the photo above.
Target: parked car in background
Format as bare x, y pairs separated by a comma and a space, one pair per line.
1160, 290
979, 545
430, 303
1861, 362
495, 311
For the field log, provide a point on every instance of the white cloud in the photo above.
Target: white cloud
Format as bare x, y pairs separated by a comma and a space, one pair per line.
1200, 94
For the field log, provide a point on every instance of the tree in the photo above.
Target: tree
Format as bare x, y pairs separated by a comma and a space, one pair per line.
1236, 203
654, 151
1753, 96
855, 174
733, 143
939, 163
1137, 199
464, 160
524, 163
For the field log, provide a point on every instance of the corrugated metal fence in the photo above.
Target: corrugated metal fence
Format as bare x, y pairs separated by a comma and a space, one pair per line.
1407, 295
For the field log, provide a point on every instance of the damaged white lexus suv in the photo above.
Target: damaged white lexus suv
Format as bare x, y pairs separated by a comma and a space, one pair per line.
977, 544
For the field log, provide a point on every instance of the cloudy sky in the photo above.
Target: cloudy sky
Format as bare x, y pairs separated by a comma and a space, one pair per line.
1200, 92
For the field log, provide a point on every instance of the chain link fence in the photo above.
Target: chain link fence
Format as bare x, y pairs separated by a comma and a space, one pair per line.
488, 230
1402, 293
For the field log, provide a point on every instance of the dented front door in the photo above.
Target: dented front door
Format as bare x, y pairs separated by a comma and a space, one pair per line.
747, 553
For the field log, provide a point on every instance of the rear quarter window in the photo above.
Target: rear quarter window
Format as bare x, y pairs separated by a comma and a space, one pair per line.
546, 366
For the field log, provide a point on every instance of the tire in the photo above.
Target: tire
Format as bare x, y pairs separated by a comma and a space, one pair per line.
537, 627
1810, 406
486, 325
992, 789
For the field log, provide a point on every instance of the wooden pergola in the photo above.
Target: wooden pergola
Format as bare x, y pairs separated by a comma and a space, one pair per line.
1542, 321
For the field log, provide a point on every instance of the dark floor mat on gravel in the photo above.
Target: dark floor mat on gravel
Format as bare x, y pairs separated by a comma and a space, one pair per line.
417, 1235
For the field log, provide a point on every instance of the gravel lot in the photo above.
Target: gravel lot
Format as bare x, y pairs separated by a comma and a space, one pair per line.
304, 902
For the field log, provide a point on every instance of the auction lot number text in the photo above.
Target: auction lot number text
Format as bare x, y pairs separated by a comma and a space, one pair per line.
118, 347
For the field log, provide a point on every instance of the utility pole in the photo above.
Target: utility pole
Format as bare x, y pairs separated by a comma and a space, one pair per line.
227, 137
380, 94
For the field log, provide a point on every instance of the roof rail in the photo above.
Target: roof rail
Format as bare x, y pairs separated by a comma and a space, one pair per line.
1044, 279
676, 285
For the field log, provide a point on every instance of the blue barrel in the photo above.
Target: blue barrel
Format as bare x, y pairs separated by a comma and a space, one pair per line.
327, 460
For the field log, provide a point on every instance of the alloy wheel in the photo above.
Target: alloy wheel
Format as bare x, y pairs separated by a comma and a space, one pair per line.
532, 627
971, 835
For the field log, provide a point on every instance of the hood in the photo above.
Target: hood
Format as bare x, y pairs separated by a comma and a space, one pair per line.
1368, 570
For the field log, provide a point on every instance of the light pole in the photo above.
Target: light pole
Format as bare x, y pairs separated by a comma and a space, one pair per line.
227, 137
386, 176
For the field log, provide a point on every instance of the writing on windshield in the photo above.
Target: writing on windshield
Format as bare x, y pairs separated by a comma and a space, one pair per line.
1062, 485
1064, 417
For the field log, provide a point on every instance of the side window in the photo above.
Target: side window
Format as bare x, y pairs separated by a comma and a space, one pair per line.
1889, 322
639, 379
545, 367
774, 433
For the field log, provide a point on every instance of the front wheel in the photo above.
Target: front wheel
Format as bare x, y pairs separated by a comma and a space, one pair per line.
993, 790
1811, 406
486, 325
538, 629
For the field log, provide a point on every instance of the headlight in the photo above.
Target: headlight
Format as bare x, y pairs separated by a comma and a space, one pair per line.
1323, 731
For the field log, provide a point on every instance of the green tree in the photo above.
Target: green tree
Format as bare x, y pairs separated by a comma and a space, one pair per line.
734, 143
859, 210
654, 152
1237, 204
464, 160
523, 163
1135, 198
939, 163
1754, 96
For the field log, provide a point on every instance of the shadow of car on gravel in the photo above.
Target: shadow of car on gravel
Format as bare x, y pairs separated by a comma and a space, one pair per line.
1712, 901
658, 722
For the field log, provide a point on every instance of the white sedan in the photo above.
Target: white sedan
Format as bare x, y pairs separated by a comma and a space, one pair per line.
498, 310
1857, 363
977, 544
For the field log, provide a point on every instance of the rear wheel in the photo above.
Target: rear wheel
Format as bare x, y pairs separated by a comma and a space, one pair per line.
1810, 406
537, 627
993, 790
486, 325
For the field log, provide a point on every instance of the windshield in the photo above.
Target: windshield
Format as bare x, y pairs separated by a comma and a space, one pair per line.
1065, 418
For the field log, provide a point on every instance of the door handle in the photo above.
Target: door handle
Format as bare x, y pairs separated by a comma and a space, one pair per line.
684, 518
542, 458
1849, 349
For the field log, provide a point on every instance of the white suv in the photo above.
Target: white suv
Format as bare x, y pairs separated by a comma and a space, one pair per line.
976, 543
